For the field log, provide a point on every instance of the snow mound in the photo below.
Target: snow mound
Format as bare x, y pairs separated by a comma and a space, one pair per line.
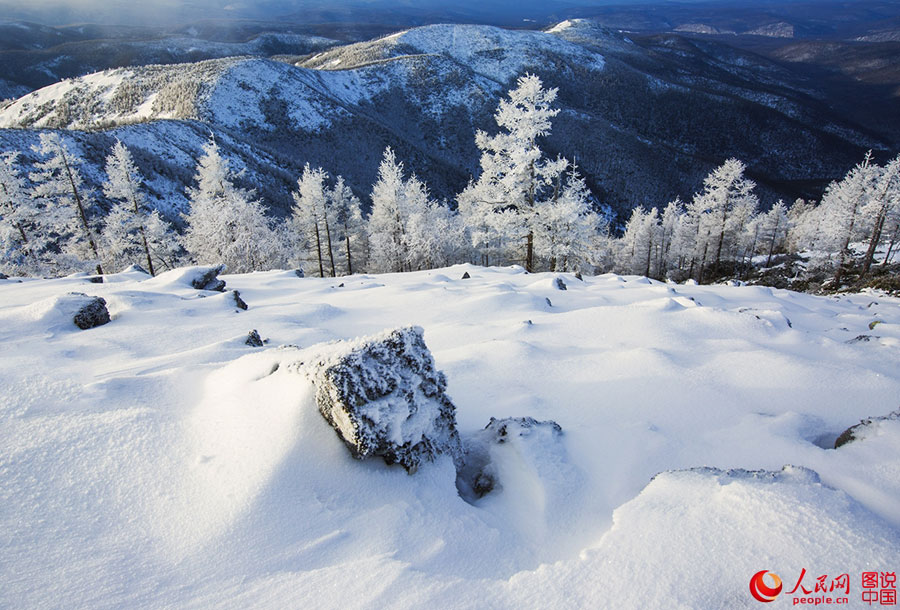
865, 428
74, 309
384, 397
531, 441
724, 526
199, 278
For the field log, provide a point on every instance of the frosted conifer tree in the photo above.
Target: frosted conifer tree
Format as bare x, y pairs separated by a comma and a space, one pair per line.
387, 226
21, 238
67, 202
126, 236
840, 209
516, 179
311, 216
881, 207
567, 229
773, 229
350, 225
225, 223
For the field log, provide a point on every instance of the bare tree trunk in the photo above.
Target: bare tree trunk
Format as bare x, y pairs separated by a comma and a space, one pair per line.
874, 239
894, 238
349, 261
319, 251
330, 249
529, 253
772, 243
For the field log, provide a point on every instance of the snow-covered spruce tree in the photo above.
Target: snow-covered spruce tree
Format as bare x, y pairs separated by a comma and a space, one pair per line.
725, 205
773, 230
882, 205
639, 244
21, 238
225, 223
131, 231
311, 217
407, 229
567, 229
669, 256
350, 225
840, 209
516, 180
67, 202
387, 222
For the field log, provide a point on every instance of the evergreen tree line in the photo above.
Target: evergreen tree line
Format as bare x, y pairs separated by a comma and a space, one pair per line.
523, 208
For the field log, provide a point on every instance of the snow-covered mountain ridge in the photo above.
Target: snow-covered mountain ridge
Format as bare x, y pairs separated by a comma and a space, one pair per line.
644, 123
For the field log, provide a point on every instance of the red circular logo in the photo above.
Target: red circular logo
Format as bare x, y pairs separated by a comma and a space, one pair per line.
763, 592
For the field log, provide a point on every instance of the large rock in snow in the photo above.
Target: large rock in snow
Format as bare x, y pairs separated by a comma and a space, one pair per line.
92, 311
384, 397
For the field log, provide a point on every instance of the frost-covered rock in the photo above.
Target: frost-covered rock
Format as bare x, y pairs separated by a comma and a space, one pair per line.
253, 339
91, 312
238, 301
206, 278
560, 284
858, 431
532, 440
384, 397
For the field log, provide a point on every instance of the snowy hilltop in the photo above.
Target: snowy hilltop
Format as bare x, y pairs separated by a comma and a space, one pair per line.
623, 442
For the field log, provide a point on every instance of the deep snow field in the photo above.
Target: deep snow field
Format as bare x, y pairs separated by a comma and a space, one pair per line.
159, 462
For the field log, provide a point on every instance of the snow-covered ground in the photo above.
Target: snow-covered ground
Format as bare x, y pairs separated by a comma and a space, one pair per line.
158, 461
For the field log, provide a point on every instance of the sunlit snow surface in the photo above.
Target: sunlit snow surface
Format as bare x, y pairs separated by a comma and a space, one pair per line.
158, 461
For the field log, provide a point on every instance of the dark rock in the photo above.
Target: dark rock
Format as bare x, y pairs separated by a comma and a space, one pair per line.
578, 276
299, 273
96, 279
207, 279
466, 276
855, 432
384, 397
253, 339
560, 284
477, 474
92, 313
549, 302
3, 276
238, 301
862, 339
341, 285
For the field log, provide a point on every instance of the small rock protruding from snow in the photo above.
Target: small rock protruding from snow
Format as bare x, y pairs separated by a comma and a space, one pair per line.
856, 432
560, 284
238, 301
466, 276
478, 474
299, 273
578, 276
91, 313
207, 278
384, 397
253, 339
862, 338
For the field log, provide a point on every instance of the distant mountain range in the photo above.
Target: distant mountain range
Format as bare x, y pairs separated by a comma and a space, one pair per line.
644, 116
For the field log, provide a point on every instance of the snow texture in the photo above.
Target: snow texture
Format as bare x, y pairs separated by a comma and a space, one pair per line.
159, 462
384, 398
